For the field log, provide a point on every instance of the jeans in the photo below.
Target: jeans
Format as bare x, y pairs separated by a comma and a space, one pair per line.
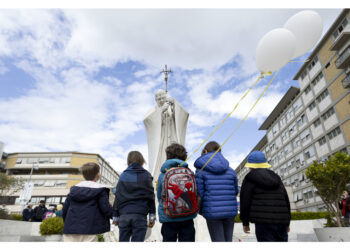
180, 230
132, 225
271, 232
221, 230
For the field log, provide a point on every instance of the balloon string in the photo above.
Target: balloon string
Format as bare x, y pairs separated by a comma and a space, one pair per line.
307, 60
227, 116
261, 95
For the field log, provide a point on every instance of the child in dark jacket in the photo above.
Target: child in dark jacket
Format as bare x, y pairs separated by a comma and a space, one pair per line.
86, 211
217, 185
134, 200
264, 201
173, 229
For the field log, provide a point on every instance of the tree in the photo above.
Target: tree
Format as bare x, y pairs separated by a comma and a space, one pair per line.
330, 179
9, 184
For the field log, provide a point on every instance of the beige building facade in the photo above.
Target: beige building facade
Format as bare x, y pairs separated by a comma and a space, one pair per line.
53, 175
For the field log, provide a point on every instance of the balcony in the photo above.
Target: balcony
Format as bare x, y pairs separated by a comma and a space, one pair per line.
346, 82
343, 59
341, 41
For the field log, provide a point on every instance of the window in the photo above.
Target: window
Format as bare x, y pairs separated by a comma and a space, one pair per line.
303, 74
33, 160
312, 63
340, 28
19, 161
297, 105
317, 122
307, 90
38, 183
334, 133
310, 152
52, 160
289, 114
292, 129
43, 160
322, 141
49, 183
322, 96
275, 129
301, 120
283, 121
296, 142
312, 105
327, 65
305, 135
317, 79
328, 114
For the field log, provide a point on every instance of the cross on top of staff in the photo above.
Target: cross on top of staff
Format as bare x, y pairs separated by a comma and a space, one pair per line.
166, 71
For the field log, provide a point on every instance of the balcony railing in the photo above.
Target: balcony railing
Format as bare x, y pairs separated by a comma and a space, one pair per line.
339, 63
346, 82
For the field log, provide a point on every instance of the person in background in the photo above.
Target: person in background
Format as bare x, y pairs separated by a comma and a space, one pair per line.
134, 200
39, 212
264, 201
217, 185
86, 211
59, 210
28, 213
344, 205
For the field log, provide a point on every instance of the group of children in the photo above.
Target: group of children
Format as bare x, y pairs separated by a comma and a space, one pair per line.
211, 191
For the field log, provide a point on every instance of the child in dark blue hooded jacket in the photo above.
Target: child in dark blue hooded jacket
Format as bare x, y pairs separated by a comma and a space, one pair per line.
217, 185
86, 211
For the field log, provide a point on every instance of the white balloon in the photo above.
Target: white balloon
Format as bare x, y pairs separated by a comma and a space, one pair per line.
274, 50
307, 28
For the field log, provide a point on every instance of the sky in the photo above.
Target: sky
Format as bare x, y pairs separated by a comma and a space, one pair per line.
83, 79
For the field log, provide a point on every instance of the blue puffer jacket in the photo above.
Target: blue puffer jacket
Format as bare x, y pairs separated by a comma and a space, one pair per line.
217, 185
166, 166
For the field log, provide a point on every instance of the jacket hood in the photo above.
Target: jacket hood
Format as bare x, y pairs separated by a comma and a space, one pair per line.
264, 178
86, 190
135, 167
217, 165
172, 163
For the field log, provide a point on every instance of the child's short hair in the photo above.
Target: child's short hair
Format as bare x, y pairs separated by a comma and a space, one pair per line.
211, 147
176, 151
90, 170
135, 157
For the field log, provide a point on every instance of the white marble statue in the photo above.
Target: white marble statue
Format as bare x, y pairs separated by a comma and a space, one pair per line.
165, 123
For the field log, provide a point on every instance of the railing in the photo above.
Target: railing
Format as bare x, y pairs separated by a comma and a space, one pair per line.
342, 57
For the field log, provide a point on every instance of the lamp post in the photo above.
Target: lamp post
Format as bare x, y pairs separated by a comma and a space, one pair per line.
26, 193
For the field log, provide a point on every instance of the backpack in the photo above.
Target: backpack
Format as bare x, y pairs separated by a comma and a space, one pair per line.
179, 193
49, 214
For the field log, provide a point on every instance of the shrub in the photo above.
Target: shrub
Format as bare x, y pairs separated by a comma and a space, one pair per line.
101, 238
4, 214
52, 226
16, 216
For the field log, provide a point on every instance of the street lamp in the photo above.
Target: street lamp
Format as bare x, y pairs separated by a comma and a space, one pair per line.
26, 193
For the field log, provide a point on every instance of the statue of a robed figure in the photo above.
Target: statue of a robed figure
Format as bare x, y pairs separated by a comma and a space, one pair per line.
165, 123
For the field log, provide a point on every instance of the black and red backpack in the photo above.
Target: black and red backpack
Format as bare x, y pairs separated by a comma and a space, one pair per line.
179, 193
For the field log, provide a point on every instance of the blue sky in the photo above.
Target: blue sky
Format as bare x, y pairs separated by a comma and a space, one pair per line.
83, 79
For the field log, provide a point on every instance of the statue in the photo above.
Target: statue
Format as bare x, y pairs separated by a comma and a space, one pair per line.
165, 123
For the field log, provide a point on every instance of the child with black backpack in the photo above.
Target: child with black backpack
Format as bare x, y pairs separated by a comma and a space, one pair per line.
177, 196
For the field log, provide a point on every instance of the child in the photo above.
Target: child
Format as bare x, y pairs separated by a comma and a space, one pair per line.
218, 187
264, 201
86, 211
134, 200
179, 228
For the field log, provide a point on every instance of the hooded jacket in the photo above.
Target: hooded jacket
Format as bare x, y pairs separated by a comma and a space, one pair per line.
87, 209
217, 185
264, 199
134, 192
172, 163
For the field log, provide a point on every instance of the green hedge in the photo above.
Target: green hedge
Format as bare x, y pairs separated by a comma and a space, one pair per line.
16, 216
52, 226
300, 216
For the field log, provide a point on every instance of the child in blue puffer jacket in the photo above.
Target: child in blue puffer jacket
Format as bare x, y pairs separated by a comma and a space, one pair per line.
217, 185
